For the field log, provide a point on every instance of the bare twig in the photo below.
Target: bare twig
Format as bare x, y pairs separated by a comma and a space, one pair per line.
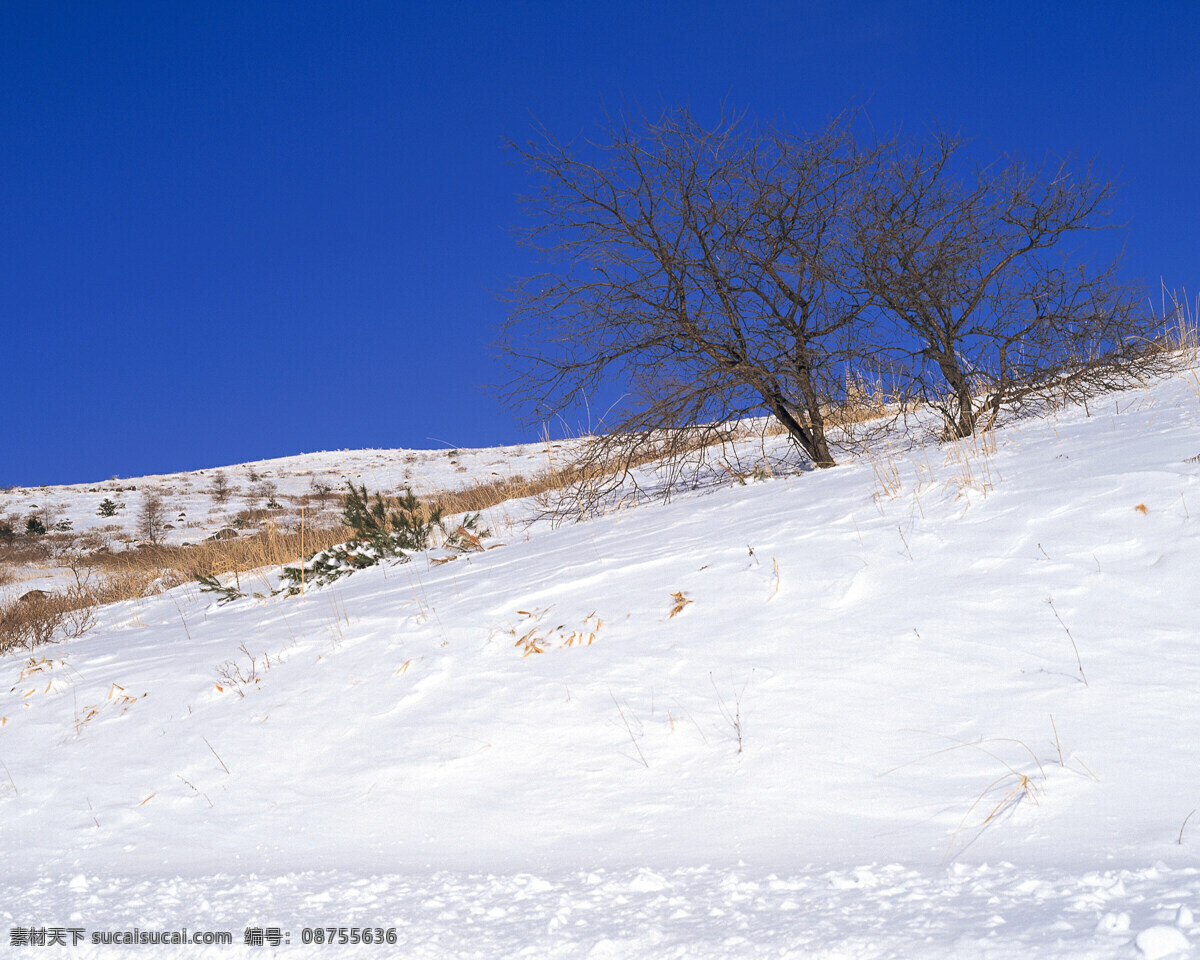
1179, 839
1078, 660
16, 792
629, 729
1057, 742
732, 717
215, 754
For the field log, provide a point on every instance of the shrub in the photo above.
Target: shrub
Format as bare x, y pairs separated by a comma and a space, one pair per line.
382, 530
107, 508
334, 562
34, 527
405, 528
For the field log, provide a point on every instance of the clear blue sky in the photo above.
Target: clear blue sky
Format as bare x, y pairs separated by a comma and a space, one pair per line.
234, 231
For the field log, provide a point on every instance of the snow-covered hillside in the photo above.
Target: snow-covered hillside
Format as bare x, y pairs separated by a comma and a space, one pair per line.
189, 500
936, 702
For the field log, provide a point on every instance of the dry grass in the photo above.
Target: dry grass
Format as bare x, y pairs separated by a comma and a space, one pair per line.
1003, 794
556, 477
1180, 324
538, 639
25, 550
106, 577
970, 461
270, 548
864, 401
40, 619
679, 600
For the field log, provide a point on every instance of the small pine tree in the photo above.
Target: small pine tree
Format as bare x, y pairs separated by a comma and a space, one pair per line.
367, 520
35, 527
407, 528
107, 508
408, 523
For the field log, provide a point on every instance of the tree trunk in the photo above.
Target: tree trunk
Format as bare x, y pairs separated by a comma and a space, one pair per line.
812, 441
964, 423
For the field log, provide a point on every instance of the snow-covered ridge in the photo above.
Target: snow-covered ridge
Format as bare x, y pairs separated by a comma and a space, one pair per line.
287, 478
936, 702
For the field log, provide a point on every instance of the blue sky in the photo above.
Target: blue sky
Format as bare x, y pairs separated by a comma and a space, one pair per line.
235, 231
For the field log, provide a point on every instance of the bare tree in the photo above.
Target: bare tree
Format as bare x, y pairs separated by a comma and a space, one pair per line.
990, 308
320, 490
709, 275
220, 488
152, 517
701, 273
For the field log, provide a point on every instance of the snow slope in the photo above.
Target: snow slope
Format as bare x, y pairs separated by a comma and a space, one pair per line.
189, 493
937, 702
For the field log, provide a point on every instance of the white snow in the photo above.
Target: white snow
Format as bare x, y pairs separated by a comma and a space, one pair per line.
937, 702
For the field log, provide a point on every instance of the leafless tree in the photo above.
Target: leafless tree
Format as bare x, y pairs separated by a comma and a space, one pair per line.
152, 517
989, 307
706, 275
266, 490
220, 488
320, 490
698, 272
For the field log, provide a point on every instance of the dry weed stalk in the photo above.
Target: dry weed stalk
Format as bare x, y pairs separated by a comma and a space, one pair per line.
1074, 645
1179, 839
1015, 784
11, 781
629, 730
971, 456
731, 716
233, 676
215, 754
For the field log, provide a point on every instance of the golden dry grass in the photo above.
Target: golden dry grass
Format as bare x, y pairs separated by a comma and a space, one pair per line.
270, 548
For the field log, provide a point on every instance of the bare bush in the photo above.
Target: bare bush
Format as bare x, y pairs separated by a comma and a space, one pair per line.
321, 491
266, 490
30, 622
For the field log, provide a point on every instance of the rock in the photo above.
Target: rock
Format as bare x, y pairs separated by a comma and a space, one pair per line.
33, 596
227, 533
